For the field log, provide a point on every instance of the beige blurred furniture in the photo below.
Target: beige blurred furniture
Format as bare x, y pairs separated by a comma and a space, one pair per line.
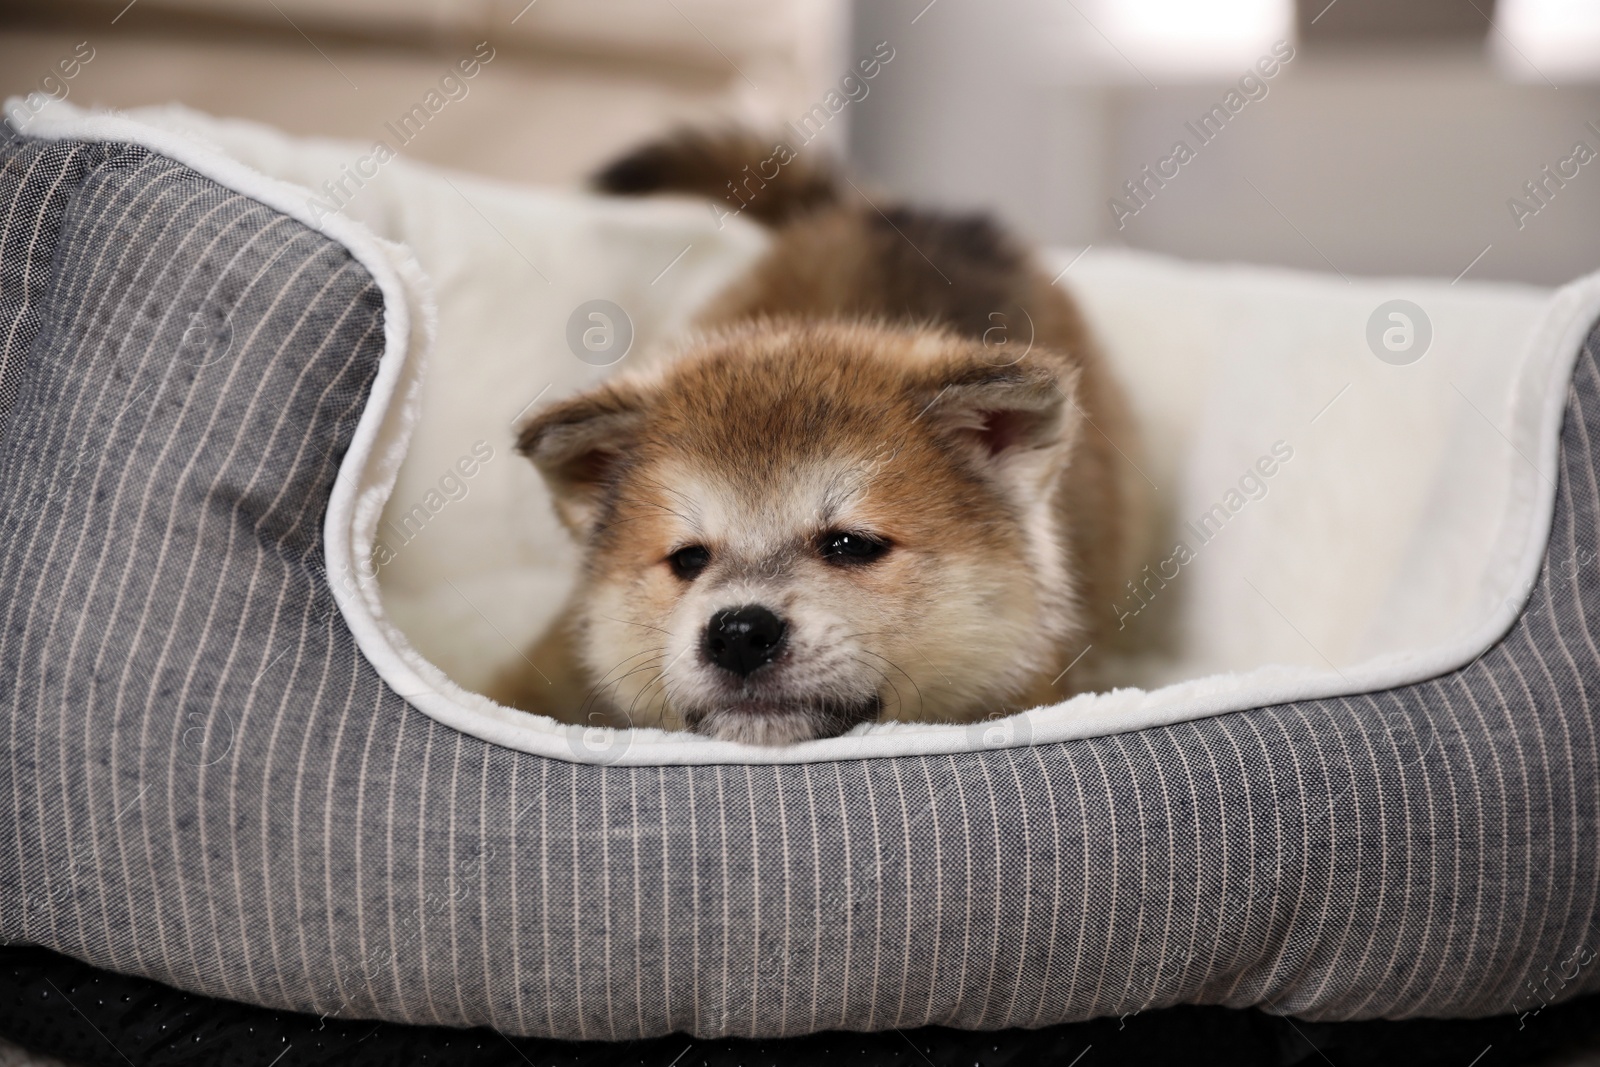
571, 81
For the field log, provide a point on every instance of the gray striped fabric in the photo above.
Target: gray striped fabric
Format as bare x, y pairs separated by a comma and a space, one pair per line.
27, 245
204, 782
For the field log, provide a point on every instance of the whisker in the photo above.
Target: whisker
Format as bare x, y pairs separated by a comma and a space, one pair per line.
630, 622
669, 697
921, 702
687, 503
655, 504
900, 700
615, 683
653, 684
594, 690
620, 663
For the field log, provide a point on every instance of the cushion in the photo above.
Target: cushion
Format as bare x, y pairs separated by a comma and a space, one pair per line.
1393, 537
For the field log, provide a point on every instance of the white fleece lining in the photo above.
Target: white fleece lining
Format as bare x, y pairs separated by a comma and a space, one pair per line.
367, 477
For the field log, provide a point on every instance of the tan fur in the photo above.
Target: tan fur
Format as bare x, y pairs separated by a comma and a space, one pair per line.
937, 394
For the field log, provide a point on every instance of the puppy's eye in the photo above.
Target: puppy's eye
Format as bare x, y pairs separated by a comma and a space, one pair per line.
687, 563
850, 548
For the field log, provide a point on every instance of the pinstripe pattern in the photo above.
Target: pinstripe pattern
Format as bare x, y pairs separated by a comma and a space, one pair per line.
205, 783
28, 228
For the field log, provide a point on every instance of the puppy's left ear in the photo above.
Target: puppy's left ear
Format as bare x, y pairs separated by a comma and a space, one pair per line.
580, 444
1016, 423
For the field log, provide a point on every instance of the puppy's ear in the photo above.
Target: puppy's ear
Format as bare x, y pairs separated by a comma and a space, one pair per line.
579, 444
1016, 423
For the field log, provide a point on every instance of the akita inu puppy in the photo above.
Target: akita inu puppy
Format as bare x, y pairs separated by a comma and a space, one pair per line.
882, 483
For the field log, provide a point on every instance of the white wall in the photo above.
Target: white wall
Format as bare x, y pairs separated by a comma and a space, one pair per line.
1377, 161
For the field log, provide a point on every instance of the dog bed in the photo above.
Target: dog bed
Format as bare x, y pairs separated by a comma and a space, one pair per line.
232, 767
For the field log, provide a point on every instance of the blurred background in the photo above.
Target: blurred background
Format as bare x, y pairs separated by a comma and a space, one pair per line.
1429, 137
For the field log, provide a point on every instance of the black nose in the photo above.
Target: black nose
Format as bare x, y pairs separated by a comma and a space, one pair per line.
743, 639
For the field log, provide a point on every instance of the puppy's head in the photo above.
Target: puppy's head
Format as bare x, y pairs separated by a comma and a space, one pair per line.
792, 529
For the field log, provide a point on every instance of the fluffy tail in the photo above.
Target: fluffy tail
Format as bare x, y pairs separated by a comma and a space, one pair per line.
740, 172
